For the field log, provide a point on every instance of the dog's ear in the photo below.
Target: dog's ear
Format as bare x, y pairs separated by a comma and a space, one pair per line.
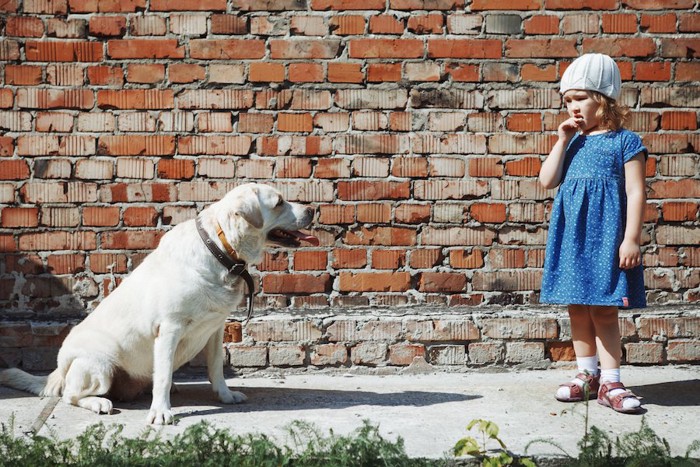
249, 209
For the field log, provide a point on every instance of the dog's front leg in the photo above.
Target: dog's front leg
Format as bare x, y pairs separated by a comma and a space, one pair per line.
215, 370
164, 347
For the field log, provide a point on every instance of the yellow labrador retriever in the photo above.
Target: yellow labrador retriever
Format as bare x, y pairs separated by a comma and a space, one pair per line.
171, 307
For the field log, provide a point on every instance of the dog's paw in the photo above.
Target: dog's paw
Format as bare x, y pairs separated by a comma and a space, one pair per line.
232, 397
159, 417
98, 405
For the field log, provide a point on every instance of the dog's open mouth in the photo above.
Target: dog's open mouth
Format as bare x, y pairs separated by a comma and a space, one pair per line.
290, 238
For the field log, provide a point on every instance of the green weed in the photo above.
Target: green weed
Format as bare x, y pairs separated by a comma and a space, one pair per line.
469, 446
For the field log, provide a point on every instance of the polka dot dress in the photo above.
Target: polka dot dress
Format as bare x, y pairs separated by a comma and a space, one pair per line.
588, 224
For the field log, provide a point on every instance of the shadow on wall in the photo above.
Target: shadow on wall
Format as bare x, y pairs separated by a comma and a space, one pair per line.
38, 306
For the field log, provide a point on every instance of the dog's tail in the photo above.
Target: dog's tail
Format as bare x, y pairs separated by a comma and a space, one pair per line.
15, 378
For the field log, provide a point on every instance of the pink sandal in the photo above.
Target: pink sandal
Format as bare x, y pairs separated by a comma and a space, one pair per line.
616, 402
578, 393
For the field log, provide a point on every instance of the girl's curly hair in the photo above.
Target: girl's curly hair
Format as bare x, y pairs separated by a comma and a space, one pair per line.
611, 114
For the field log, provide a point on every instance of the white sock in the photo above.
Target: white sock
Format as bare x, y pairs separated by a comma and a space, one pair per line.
612, 375
585, 365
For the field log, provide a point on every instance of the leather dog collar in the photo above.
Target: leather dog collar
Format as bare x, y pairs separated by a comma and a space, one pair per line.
228, 259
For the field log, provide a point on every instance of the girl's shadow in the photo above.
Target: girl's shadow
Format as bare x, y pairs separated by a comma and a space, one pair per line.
671, 394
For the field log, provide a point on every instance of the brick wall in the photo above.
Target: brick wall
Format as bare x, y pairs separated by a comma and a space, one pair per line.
416, 128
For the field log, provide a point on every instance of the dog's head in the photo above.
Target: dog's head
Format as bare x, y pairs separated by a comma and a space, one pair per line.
254, 216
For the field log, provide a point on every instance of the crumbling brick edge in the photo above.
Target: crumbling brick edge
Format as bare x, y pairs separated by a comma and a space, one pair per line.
381, 338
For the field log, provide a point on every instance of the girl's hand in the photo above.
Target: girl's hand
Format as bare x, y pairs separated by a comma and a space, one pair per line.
569, 127
630, 254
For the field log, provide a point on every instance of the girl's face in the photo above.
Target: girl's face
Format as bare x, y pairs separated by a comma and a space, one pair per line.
580, 104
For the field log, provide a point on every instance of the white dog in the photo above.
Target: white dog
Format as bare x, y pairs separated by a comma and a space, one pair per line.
171, 307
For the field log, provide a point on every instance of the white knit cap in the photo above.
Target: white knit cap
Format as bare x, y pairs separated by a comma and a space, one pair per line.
593, 72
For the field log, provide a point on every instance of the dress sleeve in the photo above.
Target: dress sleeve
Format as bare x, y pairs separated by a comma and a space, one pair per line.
631, 146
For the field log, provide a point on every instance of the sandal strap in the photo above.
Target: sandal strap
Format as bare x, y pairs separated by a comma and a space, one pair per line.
617, 399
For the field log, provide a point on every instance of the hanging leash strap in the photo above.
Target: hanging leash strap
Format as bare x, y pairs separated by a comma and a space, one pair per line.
237, 268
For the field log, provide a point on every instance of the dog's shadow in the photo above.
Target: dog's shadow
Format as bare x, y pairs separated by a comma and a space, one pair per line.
263, 399
671, 394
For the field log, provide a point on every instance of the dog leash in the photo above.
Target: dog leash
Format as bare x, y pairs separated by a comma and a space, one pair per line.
237, 268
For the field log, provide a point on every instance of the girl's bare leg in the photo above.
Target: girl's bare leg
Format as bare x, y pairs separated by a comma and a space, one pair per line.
583, 331
607, 334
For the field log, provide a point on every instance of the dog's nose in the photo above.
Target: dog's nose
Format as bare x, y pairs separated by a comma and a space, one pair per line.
310, 211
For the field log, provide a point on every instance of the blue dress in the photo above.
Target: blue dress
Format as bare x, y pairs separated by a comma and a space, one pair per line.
588, 224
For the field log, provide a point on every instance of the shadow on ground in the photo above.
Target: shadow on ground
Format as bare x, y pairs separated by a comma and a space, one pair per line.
671, 394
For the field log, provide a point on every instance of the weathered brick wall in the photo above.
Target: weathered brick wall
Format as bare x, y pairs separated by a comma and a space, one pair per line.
416, 127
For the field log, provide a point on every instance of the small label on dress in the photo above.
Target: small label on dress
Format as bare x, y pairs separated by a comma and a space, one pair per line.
625, 301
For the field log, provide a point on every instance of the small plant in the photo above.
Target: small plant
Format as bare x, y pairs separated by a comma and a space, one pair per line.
469, 446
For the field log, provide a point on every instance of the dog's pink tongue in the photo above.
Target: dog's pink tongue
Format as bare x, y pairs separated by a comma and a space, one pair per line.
306, 237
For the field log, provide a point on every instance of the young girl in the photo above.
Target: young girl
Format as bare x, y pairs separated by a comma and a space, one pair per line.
593, 258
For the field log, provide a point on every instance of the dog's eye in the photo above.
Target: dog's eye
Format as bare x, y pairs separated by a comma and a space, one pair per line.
280, 202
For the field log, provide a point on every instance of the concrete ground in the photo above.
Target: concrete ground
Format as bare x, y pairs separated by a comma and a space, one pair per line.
428, 409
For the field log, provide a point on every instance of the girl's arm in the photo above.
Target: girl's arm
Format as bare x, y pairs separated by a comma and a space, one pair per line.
551, 171
630, 252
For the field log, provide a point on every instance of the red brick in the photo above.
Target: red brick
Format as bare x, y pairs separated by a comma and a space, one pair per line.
296, 283
542, 24
467, 259
19, 217
106, 76
654, 24
255, 123
182, 73
54, 121
131, 239
15, 169
464, 48
145, 216
106, 6
345, 73
136, 145
405, 353
619, 23
689, 22
366, 190
531, 72
549, 48
349, 259
687, 71
7, 147
374, 282
385, 48
425, 24
412, 213
187, 5
150, 73
74, 51
107, 26
654, 5
384, 72
385, 24
100, 216
619, 47
146, 48
306, 72
561, 351
526, 167
679, 120
310, 260
178, 169
6, 98
141, 99
488, 212
679, 211
683, 351
480, 5
485, 167
303, 49
347, 5
347, 25
229, 24
581, 5
393, 236
22, 75
24, 26
654, 71
461, 72
295, 122
266, 72
388, 259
